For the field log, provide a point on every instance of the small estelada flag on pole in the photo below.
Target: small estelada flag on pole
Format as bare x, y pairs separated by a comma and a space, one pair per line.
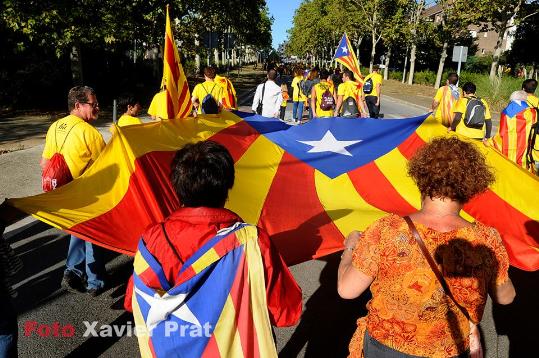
345, 55
178, 96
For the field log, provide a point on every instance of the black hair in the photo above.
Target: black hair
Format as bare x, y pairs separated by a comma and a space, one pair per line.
469, 87
453, 78
324, 74
78, 94
202, 174
529, 85
348, 73
127, 99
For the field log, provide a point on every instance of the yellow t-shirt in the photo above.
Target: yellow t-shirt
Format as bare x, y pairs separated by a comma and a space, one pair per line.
348, 89
320, 88
82, 143
208, 87
297, 95
533, 100
460, 107
127, 120
444, 112
158, 107
376, 80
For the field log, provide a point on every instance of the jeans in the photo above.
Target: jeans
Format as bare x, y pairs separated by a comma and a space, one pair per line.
374, 110
297, 111
374, 349
310, 112
8, 328
83, 259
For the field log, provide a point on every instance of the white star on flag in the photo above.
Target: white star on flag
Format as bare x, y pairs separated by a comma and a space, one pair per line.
329, 143
163, 306
344, 49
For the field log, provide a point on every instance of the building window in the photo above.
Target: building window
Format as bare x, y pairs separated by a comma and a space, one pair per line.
473, 34
486, 34
482, 51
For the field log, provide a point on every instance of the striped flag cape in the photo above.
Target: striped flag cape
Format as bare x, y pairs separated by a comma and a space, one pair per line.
516, 122
229, 92
178, 97
178, 321
308, 186
346, 56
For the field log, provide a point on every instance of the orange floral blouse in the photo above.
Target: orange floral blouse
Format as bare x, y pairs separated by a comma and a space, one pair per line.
409, 310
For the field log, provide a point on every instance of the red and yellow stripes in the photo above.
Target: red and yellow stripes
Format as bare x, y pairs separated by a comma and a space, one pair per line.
512, 137
178, 95
351, 62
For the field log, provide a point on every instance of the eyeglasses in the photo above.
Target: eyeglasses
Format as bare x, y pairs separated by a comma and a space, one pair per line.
93, 104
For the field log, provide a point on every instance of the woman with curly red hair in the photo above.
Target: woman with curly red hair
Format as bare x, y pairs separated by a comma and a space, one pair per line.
420, 308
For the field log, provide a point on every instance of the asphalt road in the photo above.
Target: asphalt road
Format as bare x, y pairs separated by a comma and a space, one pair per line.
324, 330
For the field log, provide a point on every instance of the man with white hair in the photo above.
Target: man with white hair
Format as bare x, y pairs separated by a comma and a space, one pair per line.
517, 126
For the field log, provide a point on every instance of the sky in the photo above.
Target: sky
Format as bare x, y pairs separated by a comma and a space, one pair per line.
282, 12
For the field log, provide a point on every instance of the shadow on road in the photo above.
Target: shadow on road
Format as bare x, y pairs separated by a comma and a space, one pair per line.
328, 322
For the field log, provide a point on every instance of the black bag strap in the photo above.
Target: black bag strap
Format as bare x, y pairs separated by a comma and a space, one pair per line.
65, 138
433, 265
261, 103
170, 243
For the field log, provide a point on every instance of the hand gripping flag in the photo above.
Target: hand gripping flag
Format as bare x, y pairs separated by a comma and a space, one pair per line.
308, 186
178, 98
345, 55
181, 321
516, 122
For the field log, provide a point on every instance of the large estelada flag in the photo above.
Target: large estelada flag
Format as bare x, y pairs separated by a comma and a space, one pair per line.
308, 186
178, 97
229, 269
345, 55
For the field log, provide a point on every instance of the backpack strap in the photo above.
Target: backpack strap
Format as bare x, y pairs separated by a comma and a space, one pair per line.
170, 244
65, 138
262, 97
433, 265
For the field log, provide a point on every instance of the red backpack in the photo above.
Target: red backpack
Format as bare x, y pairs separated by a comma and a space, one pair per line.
56, 172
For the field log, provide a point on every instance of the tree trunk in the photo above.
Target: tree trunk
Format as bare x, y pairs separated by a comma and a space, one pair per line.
373, 51
497, 53
386, 64
216, 56
412, 65
443, 56
76, 64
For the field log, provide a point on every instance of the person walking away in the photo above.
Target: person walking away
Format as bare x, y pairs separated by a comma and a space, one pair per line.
323, 97
80, 144
349, 99
207, 96
268, 97
429, 273
244, 272
158, 106
131, 107
472, 117
298, 97
229, 100
517, 121
445, 99
372, 91
284, 92
307, 87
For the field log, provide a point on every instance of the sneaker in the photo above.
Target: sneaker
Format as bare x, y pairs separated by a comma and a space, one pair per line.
72, 283
94, 292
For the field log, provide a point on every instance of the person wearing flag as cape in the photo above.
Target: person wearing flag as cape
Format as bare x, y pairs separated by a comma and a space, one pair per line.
202, 266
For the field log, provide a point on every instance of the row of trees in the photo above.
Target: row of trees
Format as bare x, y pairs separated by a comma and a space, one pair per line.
73, 30
400, 26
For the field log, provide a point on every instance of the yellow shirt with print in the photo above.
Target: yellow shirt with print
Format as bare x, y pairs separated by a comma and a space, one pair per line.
201, 90
348, 89
127, 120
320, 88
82, 143
297, 94
460, 107
376, 80
446, 102
158, 107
